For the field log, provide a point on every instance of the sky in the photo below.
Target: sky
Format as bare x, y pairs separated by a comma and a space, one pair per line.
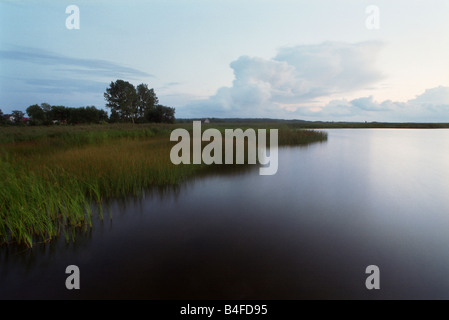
327, 60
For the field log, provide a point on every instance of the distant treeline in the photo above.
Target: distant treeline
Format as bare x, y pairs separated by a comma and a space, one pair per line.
127, 103
303, 124
47, 115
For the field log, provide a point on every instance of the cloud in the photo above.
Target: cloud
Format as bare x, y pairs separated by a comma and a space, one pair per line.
69, 86
70, 92
172, 84
434, 98
295, 77
332, 67
97, 67
368, 104
294, 84
430, 106
32, 75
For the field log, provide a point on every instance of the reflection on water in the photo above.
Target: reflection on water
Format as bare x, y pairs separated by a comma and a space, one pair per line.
365, 197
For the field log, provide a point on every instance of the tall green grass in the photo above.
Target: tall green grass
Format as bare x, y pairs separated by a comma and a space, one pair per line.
51, 177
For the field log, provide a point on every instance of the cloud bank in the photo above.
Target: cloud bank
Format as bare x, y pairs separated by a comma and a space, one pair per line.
296, 77
430, 106
295, 82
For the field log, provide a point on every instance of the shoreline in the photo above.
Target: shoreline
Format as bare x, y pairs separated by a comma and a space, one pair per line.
52, 176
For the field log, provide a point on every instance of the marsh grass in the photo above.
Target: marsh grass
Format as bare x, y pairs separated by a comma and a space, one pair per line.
52, 177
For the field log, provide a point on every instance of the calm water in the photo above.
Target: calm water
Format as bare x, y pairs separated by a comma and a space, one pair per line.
364, 197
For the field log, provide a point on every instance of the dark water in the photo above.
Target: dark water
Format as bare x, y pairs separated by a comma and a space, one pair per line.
365, 197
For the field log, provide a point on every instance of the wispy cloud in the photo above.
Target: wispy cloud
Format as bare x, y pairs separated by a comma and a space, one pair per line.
33, 75
171, 84
97, 67
43, 86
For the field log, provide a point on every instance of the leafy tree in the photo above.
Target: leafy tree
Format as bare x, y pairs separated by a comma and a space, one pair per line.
18, 116
122, 98
46, 107
74, 116
59, 113
86, 115
92, 115
36, 113
2, 117
47, 111
168, 114
160, 113
140, 104
147, 99
102, 116
115, 117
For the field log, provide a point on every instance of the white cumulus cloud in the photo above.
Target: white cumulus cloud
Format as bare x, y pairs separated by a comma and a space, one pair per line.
294, 77
430, 106
294, 83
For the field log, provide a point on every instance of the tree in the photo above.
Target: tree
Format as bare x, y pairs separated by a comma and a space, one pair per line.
48, 115
160, 113
2, 117
147, 99
36, 113
74, 116
168, 114
59, 113
122, 98
136, 104
102, 116
115, 117
18, 116
86, 115
93, 115
47, 109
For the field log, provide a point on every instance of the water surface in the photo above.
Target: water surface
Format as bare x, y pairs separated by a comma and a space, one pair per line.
364, 197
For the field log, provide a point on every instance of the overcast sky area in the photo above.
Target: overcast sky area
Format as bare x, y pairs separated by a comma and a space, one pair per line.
312, 60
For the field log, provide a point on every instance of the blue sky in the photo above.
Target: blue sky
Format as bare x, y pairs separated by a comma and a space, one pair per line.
313, 60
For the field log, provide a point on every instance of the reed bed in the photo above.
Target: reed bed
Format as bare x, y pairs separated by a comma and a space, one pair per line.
51, 177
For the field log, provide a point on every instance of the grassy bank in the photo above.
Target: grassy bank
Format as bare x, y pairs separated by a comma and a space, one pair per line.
52, 176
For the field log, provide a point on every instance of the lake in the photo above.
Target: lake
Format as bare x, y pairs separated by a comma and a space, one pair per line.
365, 197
